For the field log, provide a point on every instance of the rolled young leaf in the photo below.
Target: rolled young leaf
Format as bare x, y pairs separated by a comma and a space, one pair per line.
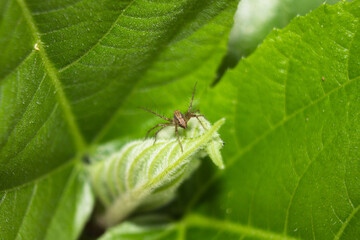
143, 175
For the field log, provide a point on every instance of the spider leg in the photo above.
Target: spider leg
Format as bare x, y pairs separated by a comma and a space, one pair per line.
167, 119
178, 138
192, 99
197, 117
157, 125
189, 115
164, 125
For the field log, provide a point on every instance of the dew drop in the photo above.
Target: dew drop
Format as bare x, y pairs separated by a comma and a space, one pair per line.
36, 47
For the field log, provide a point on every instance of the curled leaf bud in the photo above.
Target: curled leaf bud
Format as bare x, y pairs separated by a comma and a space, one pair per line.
143, 176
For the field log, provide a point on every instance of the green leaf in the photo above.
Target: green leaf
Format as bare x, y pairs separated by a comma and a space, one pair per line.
292, 138
53, 207
147, 175
70, 71
294, 132
134, 231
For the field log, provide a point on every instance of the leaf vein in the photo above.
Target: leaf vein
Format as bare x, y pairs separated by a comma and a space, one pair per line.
124, 48
19, 64
62, 28
3, 198
66, 185
27, 209
33, 137
346, 223
74, 3
315, 158
40, 178
139, 30
168, 14
98, 42
23, 113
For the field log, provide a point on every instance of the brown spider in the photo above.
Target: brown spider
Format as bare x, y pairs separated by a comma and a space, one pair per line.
179, 119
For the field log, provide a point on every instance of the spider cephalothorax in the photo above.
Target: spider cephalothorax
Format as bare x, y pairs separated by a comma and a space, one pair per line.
178, 120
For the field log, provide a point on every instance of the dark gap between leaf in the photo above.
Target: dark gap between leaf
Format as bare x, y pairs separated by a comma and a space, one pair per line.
230, 60
92, 229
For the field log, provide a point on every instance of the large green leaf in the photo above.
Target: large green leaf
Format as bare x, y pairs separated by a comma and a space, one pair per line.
69, 71
292, 139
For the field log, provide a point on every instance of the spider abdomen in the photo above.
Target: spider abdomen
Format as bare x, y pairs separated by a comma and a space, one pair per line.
180, 119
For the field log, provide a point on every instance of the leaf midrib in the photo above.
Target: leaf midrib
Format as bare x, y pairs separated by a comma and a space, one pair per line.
52, 73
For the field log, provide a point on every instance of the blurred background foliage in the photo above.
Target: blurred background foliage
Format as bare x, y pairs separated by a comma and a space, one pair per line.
254, 20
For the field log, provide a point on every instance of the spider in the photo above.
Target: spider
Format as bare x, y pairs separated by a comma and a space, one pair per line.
178, 120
